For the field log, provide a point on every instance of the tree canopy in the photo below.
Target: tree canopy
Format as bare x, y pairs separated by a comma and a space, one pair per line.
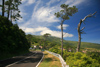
12, 39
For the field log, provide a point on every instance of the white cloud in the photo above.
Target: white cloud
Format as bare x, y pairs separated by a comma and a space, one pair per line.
28, 2
0, 9
0, 2
55, 33
73, 2
31, 1
51, 2
69, 2
24, 1
45, 14
20, 20
22, 13
64, 26
44, 30
42, 16
29, 30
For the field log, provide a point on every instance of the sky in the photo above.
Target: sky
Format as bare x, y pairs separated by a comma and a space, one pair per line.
38, 19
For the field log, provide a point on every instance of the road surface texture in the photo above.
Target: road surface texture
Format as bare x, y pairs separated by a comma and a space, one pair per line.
28, 60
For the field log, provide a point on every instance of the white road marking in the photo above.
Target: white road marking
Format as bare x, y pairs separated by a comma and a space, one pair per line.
40, 60
19, 61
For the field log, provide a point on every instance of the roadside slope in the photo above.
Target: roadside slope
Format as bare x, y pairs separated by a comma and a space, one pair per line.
50, 61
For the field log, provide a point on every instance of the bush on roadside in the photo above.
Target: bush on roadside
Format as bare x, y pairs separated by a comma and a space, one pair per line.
55, 50
94, 55
79, 59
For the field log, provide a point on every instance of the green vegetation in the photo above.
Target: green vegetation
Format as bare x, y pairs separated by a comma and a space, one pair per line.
11, 8
64, 15
84, 44
90, 58
56, 42
12, 39
79, 59
50, 61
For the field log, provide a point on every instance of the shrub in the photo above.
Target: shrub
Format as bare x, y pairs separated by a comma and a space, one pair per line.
79, 59
94, 55
55, 50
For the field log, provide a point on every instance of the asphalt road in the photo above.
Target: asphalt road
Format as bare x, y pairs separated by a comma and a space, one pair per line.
28, 60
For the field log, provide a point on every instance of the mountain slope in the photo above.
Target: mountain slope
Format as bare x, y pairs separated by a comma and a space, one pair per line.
71, 43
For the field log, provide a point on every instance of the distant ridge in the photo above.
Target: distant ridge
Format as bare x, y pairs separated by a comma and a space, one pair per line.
71, 43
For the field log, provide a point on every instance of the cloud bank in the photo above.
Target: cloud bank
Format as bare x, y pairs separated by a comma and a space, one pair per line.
42, 16
43, 30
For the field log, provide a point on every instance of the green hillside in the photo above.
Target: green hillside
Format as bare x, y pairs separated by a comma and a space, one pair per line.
84, 44
68, 43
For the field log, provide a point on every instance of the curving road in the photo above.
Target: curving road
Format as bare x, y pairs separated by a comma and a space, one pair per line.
28, 60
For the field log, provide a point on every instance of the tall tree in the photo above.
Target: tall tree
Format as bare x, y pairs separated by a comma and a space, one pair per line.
15, 12
3, 8
8, 3
64, 15
45, 37
12, 9
81, 31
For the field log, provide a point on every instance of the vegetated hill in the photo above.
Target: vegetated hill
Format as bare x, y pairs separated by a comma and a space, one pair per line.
85, 44
71, 43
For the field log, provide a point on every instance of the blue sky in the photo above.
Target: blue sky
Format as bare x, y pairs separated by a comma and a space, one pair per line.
38, 19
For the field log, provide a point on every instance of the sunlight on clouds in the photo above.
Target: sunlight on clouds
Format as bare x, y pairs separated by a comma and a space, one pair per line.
64, 26
31, 1
44, 30
45, 14
51, 1
20, 20
22, 13
73, 2
0, 9
55, 33
42, 16
29, 30
69, 2
24, 1
28, 2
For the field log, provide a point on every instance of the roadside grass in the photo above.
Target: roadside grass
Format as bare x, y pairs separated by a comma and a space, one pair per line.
50, 61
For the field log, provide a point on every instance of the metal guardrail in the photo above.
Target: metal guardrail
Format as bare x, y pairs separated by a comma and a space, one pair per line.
60, 58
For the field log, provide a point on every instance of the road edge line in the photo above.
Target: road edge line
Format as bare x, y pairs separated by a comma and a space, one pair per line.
40, 60
18, 61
